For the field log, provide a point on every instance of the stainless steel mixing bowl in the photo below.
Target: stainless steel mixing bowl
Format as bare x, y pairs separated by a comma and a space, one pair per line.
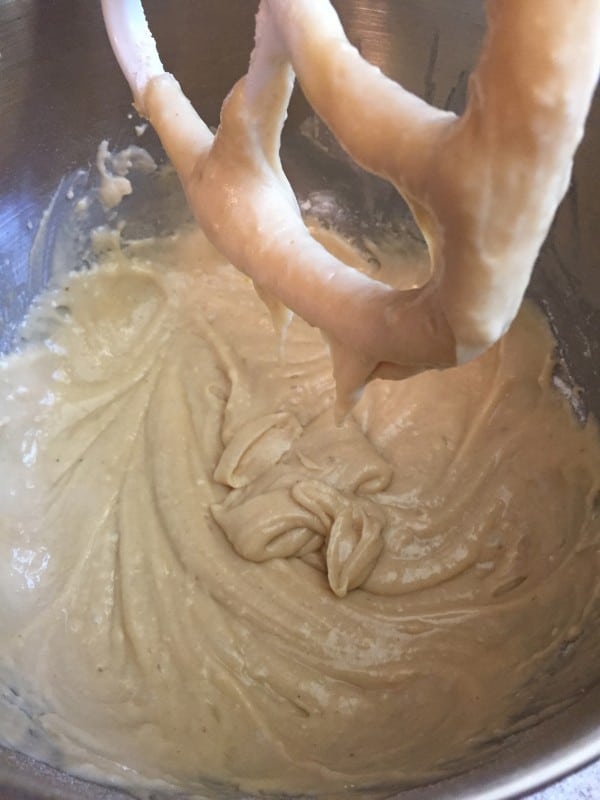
61, 93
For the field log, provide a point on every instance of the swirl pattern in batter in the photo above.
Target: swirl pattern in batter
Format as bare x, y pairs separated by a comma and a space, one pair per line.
203, 580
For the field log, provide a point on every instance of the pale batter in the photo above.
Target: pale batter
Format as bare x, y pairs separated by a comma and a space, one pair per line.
203, 580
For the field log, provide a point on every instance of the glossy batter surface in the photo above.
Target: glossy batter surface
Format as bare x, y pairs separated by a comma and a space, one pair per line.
204, 580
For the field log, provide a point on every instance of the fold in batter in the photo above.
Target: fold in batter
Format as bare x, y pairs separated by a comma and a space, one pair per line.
203, 580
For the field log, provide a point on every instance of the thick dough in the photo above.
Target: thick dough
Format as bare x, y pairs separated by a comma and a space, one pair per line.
180, 518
